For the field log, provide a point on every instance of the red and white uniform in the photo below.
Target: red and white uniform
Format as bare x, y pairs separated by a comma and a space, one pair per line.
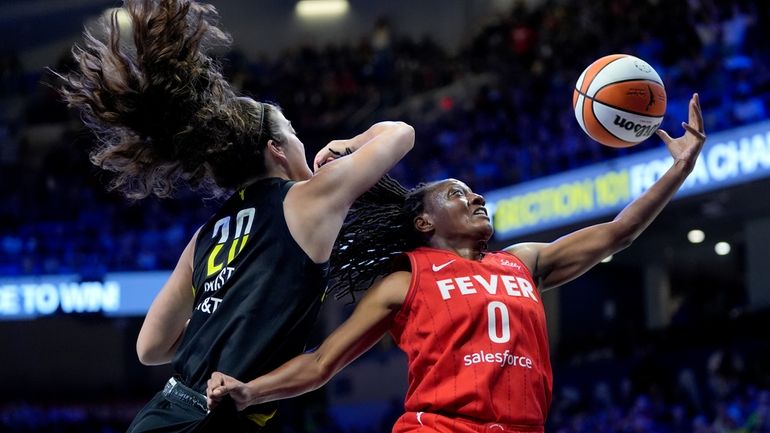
475, 336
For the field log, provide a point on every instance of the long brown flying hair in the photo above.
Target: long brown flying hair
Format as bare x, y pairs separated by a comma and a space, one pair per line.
159, 106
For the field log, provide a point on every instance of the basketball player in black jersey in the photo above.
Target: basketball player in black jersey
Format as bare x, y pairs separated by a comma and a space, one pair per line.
248, 286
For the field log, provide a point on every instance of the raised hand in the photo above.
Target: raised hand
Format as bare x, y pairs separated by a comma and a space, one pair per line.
687, 147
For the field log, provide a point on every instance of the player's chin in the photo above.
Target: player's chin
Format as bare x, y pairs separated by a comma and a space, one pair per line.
483, 226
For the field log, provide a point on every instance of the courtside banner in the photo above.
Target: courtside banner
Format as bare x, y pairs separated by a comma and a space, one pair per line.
117, 294
728, 158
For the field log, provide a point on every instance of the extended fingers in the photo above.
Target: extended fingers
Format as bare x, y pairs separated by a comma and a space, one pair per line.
696, 114
664, 136
693, 131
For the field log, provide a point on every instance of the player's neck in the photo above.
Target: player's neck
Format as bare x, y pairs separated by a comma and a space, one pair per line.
471, 250
271, 172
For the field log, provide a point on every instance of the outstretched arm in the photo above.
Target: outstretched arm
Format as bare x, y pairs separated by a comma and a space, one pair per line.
369, 322
556, 263
316, 208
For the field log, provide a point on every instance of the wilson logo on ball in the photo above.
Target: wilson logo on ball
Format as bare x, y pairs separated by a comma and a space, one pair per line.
642, 131
619, 100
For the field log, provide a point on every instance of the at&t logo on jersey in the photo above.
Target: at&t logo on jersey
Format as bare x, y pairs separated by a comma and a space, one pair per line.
210, 303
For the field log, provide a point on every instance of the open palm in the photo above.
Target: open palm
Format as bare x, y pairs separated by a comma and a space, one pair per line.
687, 147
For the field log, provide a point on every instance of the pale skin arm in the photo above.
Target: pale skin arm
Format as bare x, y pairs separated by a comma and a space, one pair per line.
169, 313
315, 209
553, 264
370, 320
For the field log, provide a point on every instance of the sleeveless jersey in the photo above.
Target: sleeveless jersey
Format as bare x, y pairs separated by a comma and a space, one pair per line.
475, 336
257, 294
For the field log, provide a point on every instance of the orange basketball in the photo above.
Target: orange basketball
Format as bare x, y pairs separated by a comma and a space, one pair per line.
619, 100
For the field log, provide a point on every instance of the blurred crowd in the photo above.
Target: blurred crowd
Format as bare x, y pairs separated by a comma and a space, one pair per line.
494, 113
699, 379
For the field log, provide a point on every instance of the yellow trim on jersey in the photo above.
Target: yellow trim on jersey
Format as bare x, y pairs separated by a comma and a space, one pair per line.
261, 419
243, 243
233, 246
213, 268
193, 287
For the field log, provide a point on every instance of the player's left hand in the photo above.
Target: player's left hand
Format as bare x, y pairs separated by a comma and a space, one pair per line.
335, 149
687, 147
221, 385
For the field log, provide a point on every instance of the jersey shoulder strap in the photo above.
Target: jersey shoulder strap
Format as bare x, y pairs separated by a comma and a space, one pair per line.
286, 187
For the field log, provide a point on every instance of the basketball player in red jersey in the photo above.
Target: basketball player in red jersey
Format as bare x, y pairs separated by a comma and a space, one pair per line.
470, 321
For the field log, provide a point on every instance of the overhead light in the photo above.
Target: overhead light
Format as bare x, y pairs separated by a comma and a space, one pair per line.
100, 25
607, 259
321, 8
696, 236
722, 248
123, 18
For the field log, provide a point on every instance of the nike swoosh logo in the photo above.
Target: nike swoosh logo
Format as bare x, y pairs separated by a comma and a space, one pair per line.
440, 267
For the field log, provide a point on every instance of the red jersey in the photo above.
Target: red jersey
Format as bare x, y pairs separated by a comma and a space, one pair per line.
475, 336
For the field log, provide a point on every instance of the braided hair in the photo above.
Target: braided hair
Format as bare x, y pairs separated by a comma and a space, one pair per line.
377, 230
160, 109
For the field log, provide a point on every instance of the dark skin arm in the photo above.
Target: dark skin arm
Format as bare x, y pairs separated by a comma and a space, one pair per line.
553, 264
369, 322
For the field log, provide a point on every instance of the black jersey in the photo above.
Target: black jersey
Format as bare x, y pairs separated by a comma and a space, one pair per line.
257, 294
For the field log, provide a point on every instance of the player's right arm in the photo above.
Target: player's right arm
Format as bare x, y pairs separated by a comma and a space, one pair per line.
369, 322
316, 208
553, 264
169, 313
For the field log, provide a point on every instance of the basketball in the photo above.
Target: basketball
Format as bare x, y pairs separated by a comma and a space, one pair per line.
619, 100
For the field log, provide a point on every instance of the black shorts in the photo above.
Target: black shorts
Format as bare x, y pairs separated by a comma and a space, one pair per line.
161, 415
